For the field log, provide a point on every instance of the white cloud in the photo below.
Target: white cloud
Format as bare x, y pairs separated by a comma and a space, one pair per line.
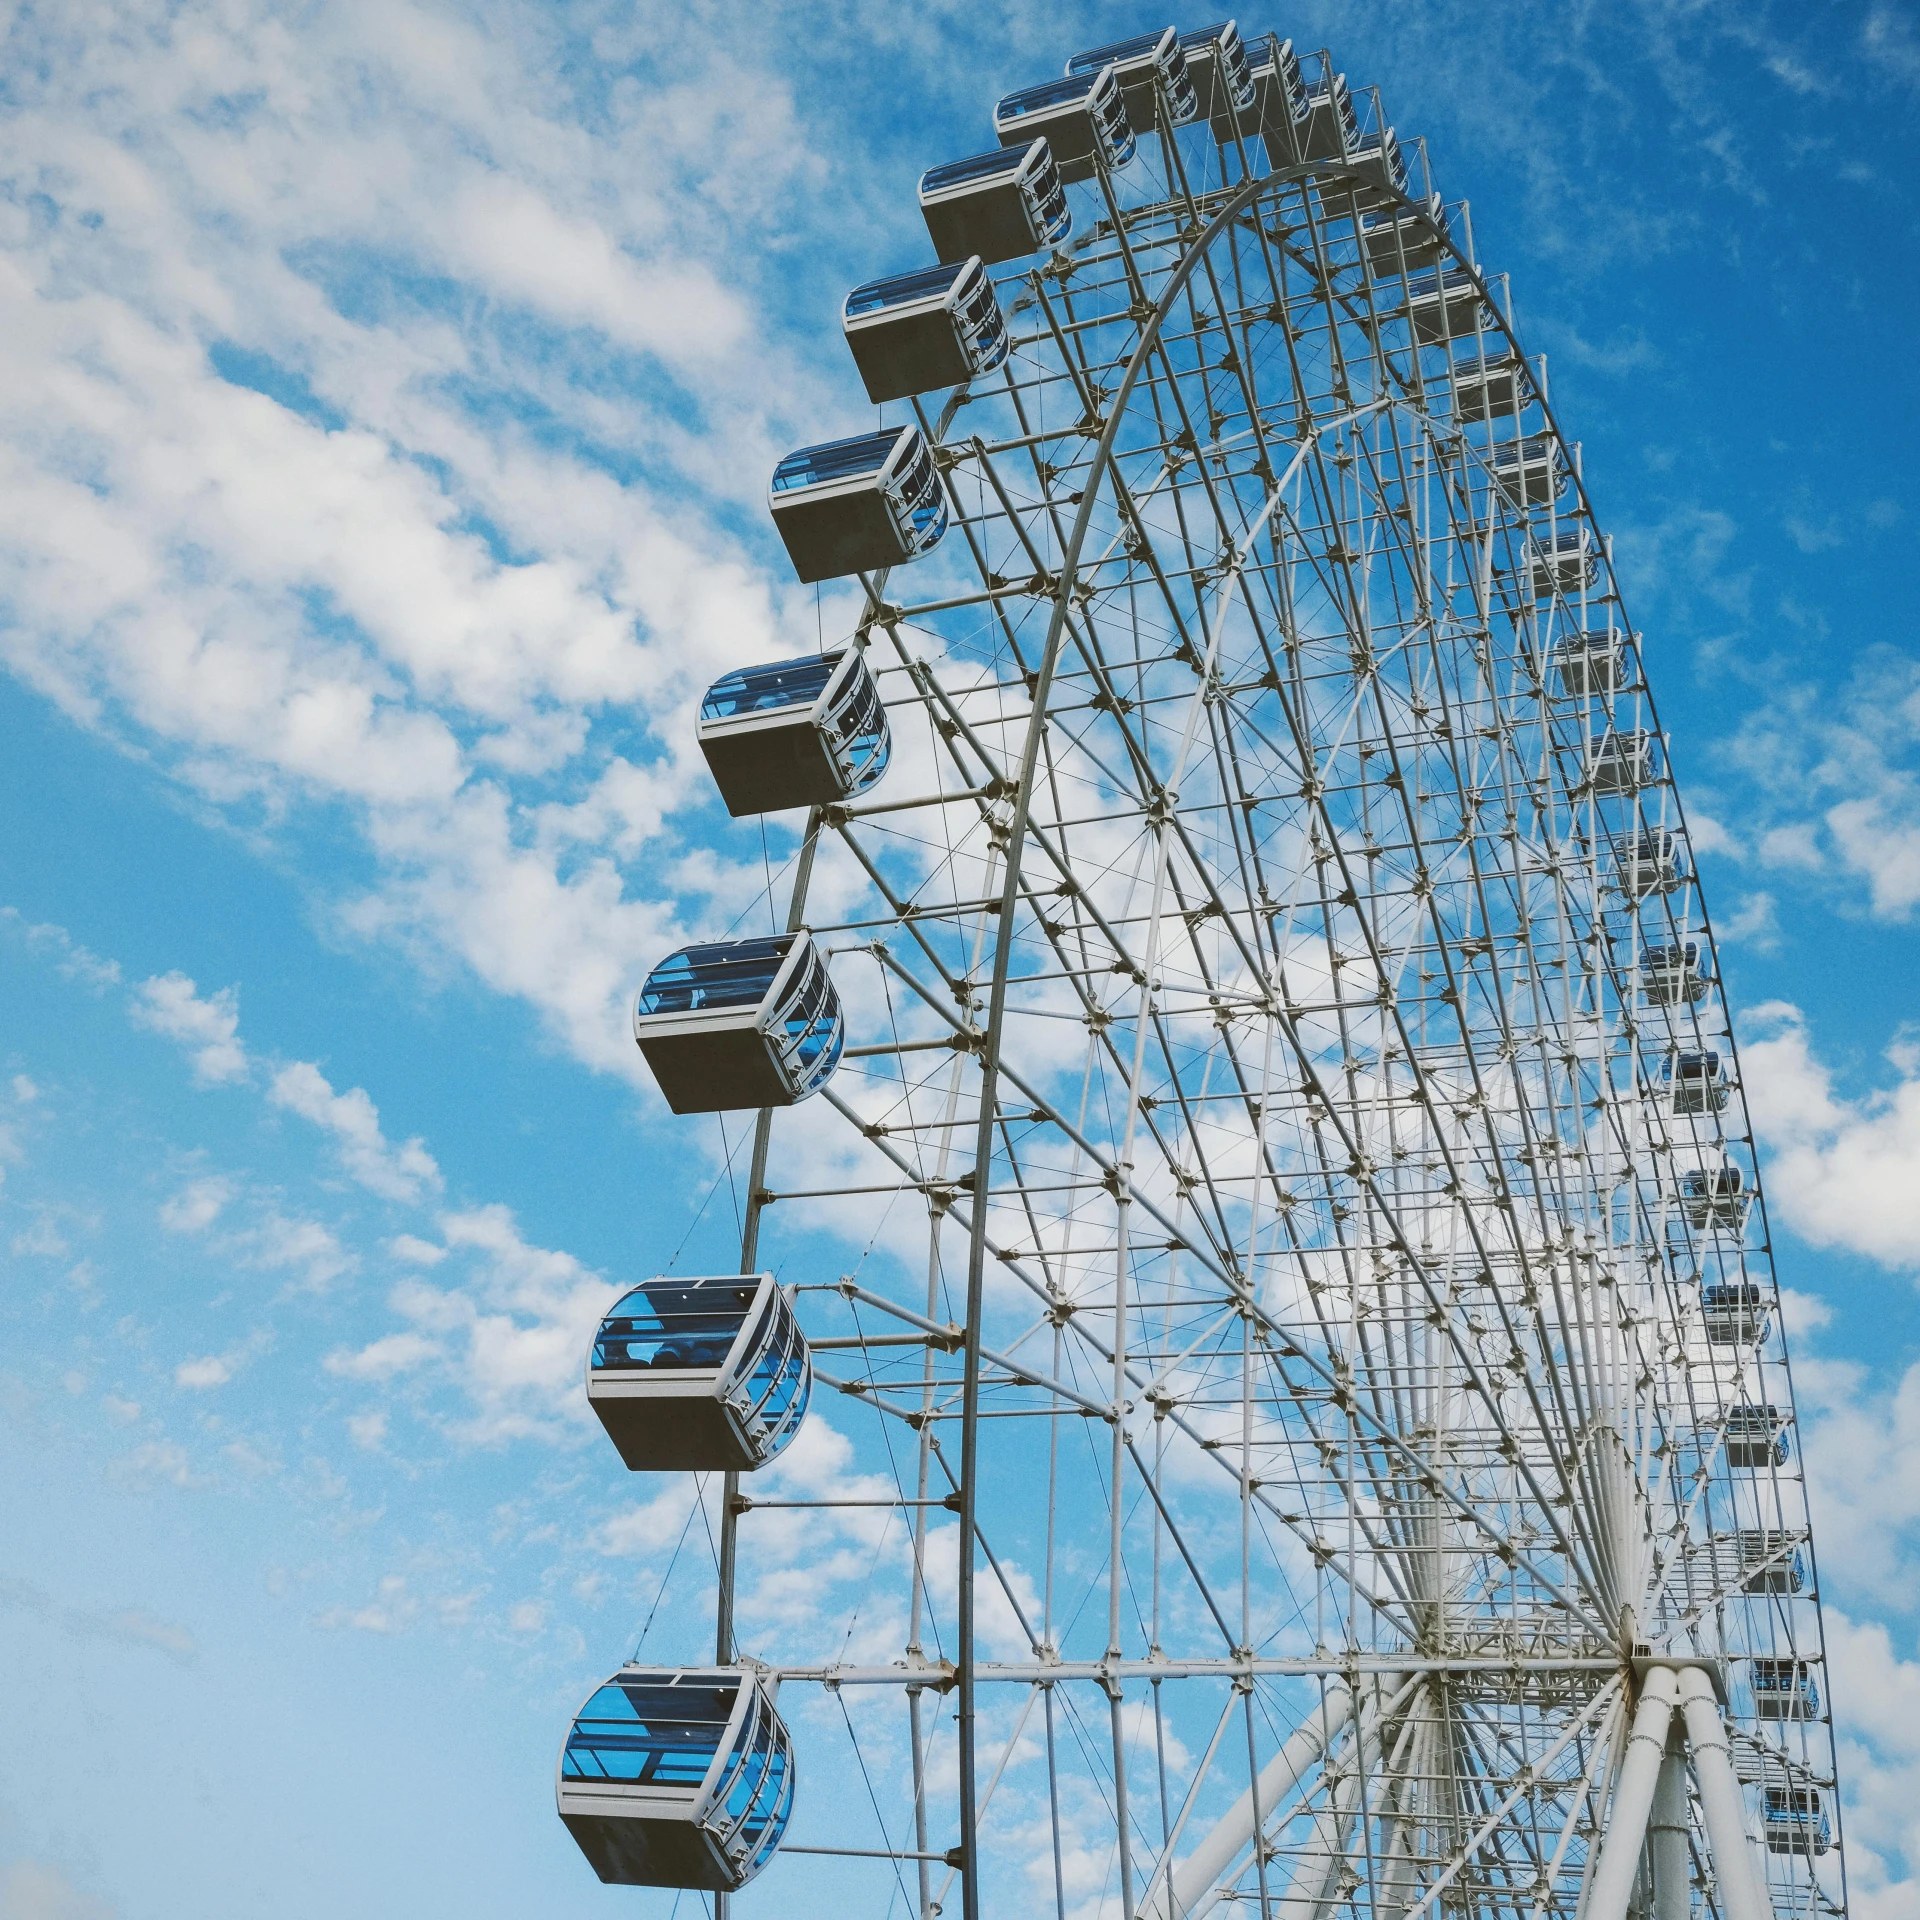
384, 1359
394, 1172
1876, 1694
392, 1610
208, 1030
368, 1429
303, 1244
199, 1375
528, 1617
1842, 1172
24, 1090
1833, 781
33, 1890
198, 1205
157, 1460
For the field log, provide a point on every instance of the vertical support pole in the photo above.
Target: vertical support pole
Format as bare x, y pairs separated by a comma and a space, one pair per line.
1619, 1866
1667, 1850
1743, 1896
749, 1259
1049, 661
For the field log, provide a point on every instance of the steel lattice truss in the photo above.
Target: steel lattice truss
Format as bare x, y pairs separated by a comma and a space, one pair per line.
1353, 1364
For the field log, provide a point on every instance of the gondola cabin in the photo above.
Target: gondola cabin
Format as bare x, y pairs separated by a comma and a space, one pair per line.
1675, 975
1152, 71
1794, 1821
1565, 563
700, 1375
1621, 762
795, 733
1770, 1560
1331, 128
1715, 1197
1756, 1437
740, 1024
1217, 65
1278, 115
1530, 471
1589, 663
857, 505
1650, 863
997, 206
1734, 1313
1410, 244
673, 1777
938, 327
1784, 1690
1486, 390
1442, 307
1696, 1082
1383, 174
1083, 118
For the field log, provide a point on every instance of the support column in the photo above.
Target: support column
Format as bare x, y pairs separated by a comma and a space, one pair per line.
1619, 1864
1743, 1894
1185, 1891
1667, 1850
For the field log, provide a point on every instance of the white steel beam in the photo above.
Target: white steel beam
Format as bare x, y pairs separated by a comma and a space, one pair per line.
1612, 1884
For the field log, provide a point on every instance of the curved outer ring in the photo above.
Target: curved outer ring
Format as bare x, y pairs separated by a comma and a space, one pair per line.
1252, 191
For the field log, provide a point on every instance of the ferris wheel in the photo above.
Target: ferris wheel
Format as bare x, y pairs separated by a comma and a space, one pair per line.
1312, 1388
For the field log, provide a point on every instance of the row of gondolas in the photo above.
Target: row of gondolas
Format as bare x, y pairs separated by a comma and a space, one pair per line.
684, 1777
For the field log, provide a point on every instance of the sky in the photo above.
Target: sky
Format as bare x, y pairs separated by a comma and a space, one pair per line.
387, 404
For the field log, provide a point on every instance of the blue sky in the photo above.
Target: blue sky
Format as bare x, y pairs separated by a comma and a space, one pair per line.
389, 397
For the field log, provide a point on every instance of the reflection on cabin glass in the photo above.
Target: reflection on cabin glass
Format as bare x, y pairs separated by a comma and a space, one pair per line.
1529, 471
795, 733
937, 327
997, 206
1784, 1689
700, 1375
1152, 71
1622, 762
1413, 243
1566, 563
1332, 127
1383, 176
1675, 975
678, 1778
1734, 1313
1770, 1560
1217, 65
857, 505
734, 1024
1083, 118
1650, 863
1278, 115
1490, 391
1590, 663
1715, 1196
1794, 1821
1755, 1436
1440, 306
1697, 1081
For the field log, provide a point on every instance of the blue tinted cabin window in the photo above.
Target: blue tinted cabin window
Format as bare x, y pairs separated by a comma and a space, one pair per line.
979, 166
900, 288
864, 453
1049, 93
764, 689
666, 1326
650, 1734
1095, 58
733, 973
